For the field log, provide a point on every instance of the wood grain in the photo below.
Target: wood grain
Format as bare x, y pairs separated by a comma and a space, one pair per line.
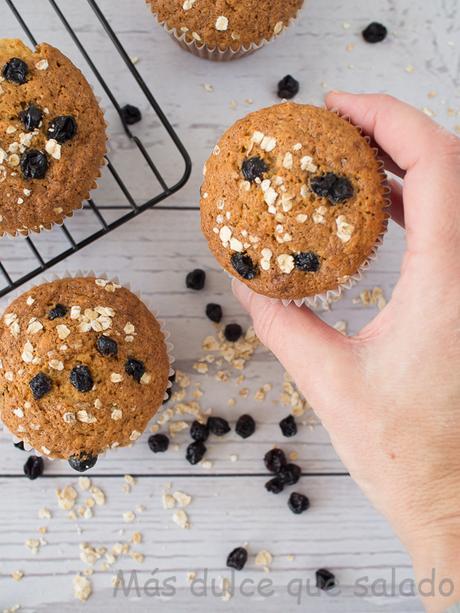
153, 252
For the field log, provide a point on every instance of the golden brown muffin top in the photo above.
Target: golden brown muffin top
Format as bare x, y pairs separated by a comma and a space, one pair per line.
292, 201
84, 366
226, 23
51, 128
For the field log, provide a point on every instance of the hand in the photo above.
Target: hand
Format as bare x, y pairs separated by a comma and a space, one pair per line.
390, 396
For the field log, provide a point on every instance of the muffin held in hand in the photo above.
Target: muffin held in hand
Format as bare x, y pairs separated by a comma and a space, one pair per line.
52, 141
84, 366
233, 26
293, 201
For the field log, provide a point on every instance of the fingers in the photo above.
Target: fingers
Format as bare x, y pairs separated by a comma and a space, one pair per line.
402, 131
316, 355
426, 156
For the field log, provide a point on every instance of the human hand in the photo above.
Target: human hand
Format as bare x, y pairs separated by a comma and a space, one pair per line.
390, 396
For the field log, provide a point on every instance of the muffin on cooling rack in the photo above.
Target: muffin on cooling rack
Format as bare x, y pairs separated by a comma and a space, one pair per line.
293, 201
52, 137
84, 366
224, 29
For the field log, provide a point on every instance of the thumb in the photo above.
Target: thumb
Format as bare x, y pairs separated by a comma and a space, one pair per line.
317, 356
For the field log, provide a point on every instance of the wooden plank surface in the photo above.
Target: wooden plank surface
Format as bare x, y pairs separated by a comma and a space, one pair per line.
419, 63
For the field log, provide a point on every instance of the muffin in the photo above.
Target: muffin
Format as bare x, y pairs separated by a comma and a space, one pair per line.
293, 201
224, 29
84, 366
53, 137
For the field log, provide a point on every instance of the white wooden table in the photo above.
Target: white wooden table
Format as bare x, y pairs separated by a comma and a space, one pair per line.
230, 506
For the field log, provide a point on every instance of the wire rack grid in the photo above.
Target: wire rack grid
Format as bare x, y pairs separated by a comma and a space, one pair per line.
129, 207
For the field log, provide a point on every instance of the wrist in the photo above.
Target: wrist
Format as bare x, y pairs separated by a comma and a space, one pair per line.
436, 562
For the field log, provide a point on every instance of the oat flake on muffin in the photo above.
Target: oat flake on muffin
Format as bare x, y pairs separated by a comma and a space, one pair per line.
84, 366
293, 201
52, 137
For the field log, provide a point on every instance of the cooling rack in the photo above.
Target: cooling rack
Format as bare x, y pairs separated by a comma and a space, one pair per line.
127, 206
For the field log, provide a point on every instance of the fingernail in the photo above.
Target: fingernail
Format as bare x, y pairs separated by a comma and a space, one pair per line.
241, 291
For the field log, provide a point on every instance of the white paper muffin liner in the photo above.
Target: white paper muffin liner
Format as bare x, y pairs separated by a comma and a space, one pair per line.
166, 335
324, 299
50, 227
216, 54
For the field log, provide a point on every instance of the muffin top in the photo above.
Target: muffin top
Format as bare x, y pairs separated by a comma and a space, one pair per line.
226, 23
52, 137
292, 201
84, 366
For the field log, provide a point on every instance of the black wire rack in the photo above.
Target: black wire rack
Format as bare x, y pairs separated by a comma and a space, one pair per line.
128, 208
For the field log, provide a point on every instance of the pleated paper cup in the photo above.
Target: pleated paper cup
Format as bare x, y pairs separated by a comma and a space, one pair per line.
166, 335
216, 54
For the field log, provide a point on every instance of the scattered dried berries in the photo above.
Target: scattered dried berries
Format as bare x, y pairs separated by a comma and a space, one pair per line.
135, 369
307, 261
275, 485
62, 128
40, 385
298, 503
16, 71
233, 332
375, 32
158, 443
244, 266
130, 114
245, 426
325, 580
288, 426
19, 445
199, 432
195, 279
288, 87
253, 168
34, 164
289, 474
218, 426
31, 117
237, 558
33, 467
336, 189
214, 312
82, 462
195, 452
275, 460
59, 311
81, 379
107, 346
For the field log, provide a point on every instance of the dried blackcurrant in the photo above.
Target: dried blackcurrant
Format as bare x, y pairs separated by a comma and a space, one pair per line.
135, 369
40, 385
335, 188
275, 460
245, 426
81, 379
107, 346
307, 261
16, 71
158, 443
62, 128
244, 266
253, 168
34, 164
298, 503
